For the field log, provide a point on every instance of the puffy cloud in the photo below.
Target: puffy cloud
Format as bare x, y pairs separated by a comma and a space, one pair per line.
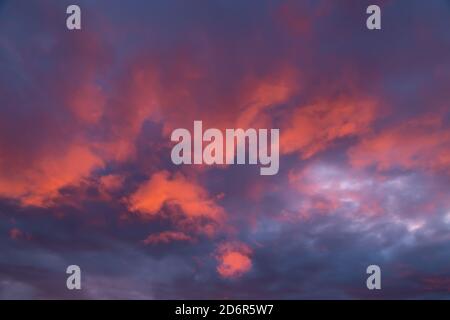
194, 202
234, 259
163, 189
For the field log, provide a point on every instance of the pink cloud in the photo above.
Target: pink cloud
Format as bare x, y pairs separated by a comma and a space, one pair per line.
421, 143
196, 205
167, 237
314, 127
234, 259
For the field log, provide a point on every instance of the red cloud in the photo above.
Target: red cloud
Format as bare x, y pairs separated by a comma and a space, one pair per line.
166, 237
422, 143
43, 125
40, 182
312, 128
233, 259
176, 190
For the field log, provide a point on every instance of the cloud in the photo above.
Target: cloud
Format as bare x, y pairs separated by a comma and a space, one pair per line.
322, 189
50, 98
167, 237
85, 149
40, 182
312, 128
111, 182
233, 259
194, 202
421, 143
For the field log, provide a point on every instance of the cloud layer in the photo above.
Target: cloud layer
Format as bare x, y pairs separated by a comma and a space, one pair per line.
85, 170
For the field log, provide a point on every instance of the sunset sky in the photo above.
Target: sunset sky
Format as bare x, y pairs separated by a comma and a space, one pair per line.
86, 176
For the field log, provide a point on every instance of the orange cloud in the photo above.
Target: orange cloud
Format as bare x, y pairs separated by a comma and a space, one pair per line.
39, 183
259, 95
176, 190
233, 259
421, 143
43, 128
312, 128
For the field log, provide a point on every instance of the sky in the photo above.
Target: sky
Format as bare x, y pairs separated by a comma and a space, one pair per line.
86, 176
